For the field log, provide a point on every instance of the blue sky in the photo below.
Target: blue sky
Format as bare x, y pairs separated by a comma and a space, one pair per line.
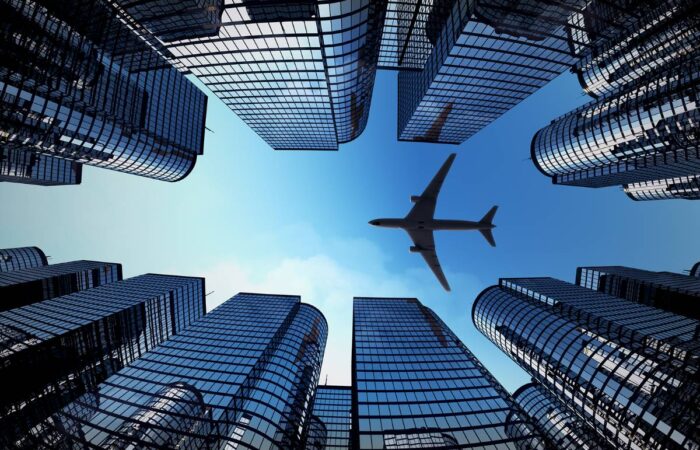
252, 219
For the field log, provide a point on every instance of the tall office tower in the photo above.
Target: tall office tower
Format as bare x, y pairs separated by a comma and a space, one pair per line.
21, 258
629, 370
672, 292
641, 132
484, 58
333, 413
27, 286
648, 36
242, 377
25, 167
416, 385
666, 189
171, 20
561, 428
645, 133
299, 73
82, 83
56, 350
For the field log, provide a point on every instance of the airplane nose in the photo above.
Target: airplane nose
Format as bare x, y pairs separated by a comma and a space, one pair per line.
374, 222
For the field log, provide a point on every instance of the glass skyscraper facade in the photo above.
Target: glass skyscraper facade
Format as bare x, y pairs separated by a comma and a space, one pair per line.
82, 83
54, 351
21, 258
25, 167
672, 292
171, 20
640, 132
487, 56
23, 287
241, 377
299, 73
333, 413
620, 41
416, 385
628, 369
561, 428
687, 187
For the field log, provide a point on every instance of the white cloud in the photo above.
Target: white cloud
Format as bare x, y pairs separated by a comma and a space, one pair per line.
327, 277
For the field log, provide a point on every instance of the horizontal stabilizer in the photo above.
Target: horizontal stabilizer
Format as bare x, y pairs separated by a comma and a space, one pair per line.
488, 236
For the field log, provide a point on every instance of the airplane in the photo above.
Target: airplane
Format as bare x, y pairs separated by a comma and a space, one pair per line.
419, 223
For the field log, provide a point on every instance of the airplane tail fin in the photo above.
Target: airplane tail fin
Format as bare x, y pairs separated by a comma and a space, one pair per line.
488, 220
488, 217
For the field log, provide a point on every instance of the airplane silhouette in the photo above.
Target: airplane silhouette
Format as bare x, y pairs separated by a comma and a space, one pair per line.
419, 223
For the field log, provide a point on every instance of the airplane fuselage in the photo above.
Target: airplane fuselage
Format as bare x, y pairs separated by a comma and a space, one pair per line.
434, 224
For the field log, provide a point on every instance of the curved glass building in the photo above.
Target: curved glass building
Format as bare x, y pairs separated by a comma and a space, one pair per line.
641, 62
417, 386
560, 427
167, 421
241, 377
629, 370
645, 133
21, 258
662, 34
81, 82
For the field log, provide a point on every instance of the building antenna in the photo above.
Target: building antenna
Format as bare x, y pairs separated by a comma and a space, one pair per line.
326, 382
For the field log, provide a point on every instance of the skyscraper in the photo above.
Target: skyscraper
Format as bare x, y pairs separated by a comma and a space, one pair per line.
561, 428
485, 58
21, 258
241, 377
26, 286
26, 167
672, 292
299, 73
82, 83
333, 411
687, 187
628, 369
54, 351
640, 132
171, 20
645, 133
416, 385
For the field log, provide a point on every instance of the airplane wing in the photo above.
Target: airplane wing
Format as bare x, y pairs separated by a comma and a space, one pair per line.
424, 209
424, 242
